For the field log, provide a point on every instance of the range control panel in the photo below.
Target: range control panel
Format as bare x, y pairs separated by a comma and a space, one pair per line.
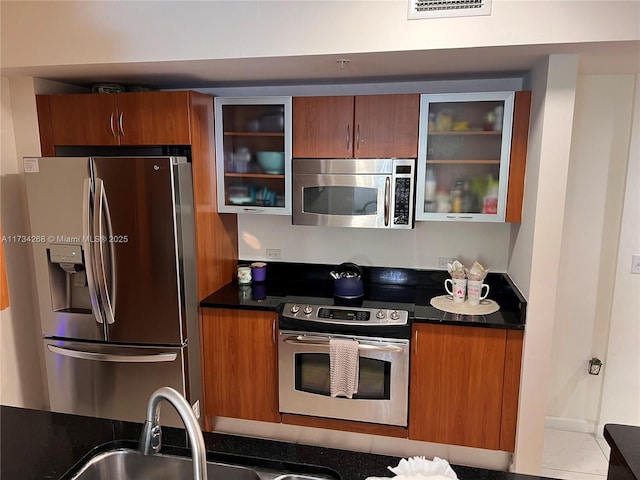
346, 315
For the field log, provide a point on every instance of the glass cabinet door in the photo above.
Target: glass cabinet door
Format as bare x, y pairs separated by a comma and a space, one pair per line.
463, 156
253, 154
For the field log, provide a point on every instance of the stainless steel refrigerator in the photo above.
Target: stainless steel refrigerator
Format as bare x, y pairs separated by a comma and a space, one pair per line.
114, 253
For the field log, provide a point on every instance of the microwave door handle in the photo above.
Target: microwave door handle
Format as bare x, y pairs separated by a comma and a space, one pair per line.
387, 200
324, 341
89, 251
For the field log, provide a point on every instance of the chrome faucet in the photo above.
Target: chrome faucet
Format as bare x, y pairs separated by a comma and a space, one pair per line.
151, 438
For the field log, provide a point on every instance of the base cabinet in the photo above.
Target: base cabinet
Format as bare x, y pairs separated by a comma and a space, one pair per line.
462, 385
240, 364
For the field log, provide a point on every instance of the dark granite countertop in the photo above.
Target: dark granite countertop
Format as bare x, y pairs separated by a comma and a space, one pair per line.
37, 444
298, 282
624, 440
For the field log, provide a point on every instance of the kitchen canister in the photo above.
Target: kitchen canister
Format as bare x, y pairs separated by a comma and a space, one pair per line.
259, 271
244, 275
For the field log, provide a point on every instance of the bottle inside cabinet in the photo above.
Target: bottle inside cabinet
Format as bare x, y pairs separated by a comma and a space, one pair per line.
254, 143
463, 155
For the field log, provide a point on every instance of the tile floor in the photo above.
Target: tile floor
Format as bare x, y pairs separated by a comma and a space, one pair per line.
574, 456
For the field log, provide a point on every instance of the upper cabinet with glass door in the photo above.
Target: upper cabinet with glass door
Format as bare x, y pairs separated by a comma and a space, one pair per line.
253, 154
464, 155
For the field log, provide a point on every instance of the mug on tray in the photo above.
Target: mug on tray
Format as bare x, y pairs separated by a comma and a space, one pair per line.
458, 288
474, 292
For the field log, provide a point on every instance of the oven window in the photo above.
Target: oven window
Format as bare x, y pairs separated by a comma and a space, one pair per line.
339, 200
312, 376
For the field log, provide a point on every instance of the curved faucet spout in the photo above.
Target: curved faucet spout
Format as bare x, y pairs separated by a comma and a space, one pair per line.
151, 438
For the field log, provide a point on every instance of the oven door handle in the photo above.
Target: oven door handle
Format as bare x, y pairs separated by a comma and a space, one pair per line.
324, 341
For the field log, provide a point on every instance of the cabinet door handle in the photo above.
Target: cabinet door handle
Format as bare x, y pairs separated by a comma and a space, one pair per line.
121, 123
113, 131
415, 346
348, 138
273, 330
357, 142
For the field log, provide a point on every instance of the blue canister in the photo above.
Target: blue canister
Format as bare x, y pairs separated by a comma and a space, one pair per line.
259, 271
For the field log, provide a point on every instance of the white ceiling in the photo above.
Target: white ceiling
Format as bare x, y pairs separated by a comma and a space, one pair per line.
595, 58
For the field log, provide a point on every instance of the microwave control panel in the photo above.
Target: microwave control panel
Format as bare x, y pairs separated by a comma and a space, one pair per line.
402, 210
403, 193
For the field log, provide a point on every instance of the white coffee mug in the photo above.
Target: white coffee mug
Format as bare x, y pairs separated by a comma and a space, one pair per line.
458, 288
474, 292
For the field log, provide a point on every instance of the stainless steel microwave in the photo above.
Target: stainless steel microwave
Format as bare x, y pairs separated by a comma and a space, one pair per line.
362, 192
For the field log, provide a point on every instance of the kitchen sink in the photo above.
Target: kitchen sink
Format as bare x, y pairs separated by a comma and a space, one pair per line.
113, 461
128, 463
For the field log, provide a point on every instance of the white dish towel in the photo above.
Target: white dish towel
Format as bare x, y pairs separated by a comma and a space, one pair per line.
344, 367
420, 468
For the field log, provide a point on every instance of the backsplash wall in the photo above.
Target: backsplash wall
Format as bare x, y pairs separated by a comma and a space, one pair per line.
418, 248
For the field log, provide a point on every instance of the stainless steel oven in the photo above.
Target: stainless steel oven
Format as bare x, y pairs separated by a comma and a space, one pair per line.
368, 193
304, 369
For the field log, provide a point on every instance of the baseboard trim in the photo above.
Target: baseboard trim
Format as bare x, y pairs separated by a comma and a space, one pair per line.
570, 424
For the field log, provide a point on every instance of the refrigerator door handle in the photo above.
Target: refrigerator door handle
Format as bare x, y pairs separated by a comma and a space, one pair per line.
89, 250
111, 357
112, 255
98, 210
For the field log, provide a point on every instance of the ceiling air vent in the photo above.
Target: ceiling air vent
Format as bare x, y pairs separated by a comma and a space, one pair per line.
448, 8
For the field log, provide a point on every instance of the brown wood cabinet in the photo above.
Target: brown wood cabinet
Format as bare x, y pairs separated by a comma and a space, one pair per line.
153, 118
4, 287
240, 364
518, 161
364, 126
144, 118
464, 383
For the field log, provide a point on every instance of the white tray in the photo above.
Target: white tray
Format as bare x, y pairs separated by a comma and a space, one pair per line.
446, 304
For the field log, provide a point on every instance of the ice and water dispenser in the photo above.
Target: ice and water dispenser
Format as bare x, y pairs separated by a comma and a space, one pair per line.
68, 279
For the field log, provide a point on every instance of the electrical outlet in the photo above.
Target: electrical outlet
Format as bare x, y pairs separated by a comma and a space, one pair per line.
196, 408
442, 261
635, 263
274, 253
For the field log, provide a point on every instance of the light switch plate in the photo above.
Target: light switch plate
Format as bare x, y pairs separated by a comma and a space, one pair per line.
635, 263
274, 253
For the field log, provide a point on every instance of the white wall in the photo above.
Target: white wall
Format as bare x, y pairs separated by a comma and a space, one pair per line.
535, 254
21, 381
417, 248
593, 213
621, 391
80, 32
